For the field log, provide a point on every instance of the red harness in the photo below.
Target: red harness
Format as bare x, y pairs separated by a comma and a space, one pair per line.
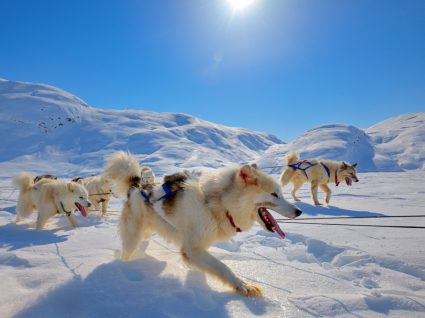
232, 223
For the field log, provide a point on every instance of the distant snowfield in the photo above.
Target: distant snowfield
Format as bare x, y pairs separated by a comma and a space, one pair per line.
317, 271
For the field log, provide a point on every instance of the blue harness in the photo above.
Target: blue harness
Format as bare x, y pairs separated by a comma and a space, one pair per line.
326, 169
297, 166
167, 194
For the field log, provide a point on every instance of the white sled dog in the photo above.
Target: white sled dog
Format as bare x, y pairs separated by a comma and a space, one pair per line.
319, 173
194, 211
99, 189
49, 197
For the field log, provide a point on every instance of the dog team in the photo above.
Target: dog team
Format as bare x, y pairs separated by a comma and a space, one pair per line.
190, 209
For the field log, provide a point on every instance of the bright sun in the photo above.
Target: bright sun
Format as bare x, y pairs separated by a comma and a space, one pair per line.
239, 5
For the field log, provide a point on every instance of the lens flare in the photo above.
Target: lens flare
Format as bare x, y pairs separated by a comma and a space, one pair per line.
239, 5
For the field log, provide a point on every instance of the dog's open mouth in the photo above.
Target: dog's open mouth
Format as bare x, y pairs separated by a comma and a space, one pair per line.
348, 181
81, 209
270, 222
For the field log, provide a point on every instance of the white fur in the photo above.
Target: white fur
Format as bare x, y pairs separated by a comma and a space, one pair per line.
99, 190
45, 196
198, 216
120, 167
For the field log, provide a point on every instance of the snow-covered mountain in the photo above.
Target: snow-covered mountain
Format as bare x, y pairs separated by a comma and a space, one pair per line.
395, 144
42, 122
337, 142
399, 142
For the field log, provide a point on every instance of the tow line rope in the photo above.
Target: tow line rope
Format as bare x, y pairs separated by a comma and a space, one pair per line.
303, 221
356, 217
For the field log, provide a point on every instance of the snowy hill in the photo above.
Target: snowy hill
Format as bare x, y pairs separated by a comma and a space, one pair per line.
337, 142
44, 122
400, 142
395, 144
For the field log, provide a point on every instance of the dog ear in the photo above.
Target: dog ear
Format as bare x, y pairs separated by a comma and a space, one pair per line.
70, 186
247, 175
354, 165
254, 165
344, 165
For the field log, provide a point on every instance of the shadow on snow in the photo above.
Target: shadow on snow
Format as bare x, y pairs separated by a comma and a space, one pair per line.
137, 289
16, 236
314, 210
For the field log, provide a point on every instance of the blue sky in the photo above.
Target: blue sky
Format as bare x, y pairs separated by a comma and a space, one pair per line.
282, 66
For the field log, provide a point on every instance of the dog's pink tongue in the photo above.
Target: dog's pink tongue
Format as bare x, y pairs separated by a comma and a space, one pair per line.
83, 211
276, 226
348, 181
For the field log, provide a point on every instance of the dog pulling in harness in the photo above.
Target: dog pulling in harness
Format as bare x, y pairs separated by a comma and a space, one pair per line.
297, 166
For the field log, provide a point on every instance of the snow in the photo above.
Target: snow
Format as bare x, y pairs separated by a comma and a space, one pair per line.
401, 138
318, 271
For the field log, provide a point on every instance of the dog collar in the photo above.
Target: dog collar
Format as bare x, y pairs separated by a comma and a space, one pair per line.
65, 211
232, 223
336, 178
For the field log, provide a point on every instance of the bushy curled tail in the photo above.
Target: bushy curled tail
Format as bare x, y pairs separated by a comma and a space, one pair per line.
123, 171
292, 158
24, 181
24, 206
288, 173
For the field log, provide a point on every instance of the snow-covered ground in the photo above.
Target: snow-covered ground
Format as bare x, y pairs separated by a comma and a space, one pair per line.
317, 271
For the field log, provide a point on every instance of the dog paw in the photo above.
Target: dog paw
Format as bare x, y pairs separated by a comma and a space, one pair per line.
296, 199
250, 290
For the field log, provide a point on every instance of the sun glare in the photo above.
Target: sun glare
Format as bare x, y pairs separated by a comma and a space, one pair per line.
239, 5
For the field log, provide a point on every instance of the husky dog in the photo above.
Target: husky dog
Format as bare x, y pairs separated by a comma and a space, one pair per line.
49, 197
195, 211
99, 190
147, 176
319, 173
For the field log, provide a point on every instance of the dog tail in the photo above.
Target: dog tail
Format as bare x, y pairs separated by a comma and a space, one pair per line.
292, 158
24, 181
123, 171
288, 173
24, 206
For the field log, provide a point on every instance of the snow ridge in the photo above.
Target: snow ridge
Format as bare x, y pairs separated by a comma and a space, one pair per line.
49, 122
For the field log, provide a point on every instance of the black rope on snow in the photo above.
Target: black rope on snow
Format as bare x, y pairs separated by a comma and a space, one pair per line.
359, 225
354, 217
